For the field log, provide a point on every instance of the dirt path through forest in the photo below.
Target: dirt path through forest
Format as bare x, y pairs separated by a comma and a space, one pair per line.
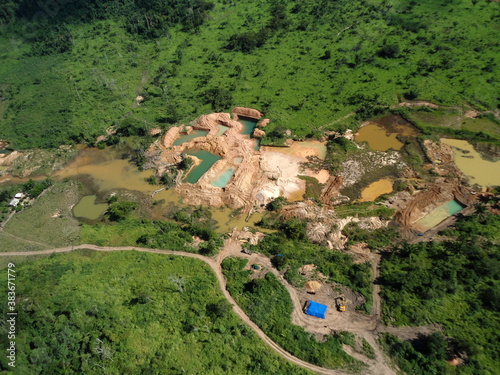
222, 283
365, 326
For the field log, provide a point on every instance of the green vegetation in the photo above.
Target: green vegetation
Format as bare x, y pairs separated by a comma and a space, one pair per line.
313, 188
120, 210
367, 350
424, 356
130, 313
46, 221
454, 283
175, 234
297, 251
375, 239
70, 72
452, 122
268, 304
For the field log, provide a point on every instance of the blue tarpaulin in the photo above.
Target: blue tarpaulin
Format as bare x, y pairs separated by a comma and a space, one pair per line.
316, 309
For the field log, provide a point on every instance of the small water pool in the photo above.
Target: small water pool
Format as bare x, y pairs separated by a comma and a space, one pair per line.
188, 137
87, 208
224, 177
222, 130
257, 145
207, 160
440, 213
248, 125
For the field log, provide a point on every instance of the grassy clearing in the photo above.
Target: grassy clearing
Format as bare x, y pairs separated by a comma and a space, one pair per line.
456, 120
131, 313
13, 243
34, 223
124, 233
41, 162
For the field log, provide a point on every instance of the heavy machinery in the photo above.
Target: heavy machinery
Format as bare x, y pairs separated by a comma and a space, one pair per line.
340, 303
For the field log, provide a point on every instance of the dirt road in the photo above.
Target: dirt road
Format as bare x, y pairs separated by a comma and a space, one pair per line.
365, 326
222, 284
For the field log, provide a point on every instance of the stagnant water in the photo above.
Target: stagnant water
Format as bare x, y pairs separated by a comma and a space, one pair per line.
106, 171
86, 208
207, 160
187, 137
378, 139
248, 125
224, 178
222, 130
376, 189
382, 134
479, 171
440, 213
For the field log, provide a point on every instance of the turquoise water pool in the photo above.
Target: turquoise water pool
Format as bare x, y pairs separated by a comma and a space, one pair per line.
207, 160
440, 213
248, 125
224, 178
222, 130
188, 137
257, 145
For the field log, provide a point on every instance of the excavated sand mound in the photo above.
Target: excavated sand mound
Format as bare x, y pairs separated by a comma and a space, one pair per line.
247, 112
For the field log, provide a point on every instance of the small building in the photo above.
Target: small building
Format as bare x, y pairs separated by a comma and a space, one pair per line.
19, 195
14, 202
316, 309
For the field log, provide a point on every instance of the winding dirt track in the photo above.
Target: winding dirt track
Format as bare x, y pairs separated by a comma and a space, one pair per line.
222, 283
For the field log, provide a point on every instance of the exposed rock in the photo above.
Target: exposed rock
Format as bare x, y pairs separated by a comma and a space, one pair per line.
354, 169
213, 120
247, 112
349, 135
257, 133
245, 235
259, 176
155, 131
101, 138
331, 189
438, 152
307, 268
139, 99
471, 114
263, 123
418, 104
170, 136
425, 201
8, 159
312, 287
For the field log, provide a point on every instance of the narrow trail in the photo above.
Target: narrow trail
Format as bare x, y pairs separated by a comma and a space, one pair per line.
222, 284
25, 240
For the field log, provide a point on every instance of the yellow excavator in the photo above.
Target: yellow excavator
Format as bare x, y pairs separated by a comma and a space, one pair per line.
340, 302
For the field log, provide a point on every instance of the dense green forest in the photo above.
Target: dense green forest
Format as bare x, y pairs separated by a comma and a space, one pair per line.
130, 313
455, 283
69, 70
